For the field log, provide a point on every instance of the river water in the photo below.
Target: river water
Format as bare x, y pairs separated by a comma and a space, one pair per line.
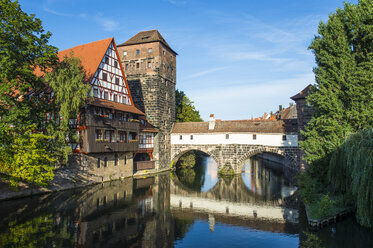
191, 207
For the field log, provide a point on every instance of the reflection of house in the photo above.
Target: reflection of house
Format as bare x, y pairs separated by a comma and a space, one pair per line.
109, 126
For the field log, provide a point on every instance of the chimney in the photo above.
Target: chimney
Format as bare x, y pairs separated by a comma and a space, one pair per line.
212, 122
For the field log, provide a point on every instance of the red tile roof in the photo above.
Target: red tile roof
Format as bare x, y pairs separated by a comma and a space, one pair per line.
252, 126
147, 37
115, 105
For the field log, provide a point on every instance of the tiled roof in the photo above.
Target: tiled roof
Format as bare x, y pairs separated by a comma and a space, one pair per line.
241, 126
146, 37
302, 94
89, 54
115, 105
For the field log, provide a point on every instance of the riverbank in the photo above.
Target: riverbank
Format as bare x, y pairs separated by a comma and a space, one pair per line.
64, 179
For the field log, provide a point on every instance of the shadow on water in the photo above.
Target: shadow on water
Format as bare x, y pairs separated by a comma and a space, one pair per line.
255, 209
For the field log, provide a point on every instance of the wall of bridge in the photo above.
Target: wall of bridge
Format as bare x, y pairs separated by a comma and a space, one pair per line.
235, 155
235, 138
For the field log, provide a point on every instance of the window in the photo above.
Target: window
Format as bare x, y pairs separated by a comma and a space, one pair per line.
181, 137
115, 159
191, 137
164, 53
106, 95
117, 81
115, 64
137, 65
150, 50
115, 98
124, 53
254, 136
126, 67
98, 162
137, 52
124, 99
122, 136
95, 92
227, 136
104, 76
106, 60
98, 135
125, 162
109, 136
149, 64
105, 164
283, 137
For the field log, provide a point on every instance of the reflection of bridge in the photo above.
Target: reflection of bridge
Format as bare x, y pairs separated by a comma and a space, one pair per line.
230, 143
233, 198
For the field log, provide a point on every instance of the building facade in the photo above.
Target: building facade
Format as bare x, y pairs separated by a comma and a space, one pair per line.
150, 68
110, 127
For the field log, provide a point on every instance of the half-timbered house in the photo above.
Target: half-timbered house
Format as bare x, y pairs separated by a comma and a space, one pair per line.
109, 124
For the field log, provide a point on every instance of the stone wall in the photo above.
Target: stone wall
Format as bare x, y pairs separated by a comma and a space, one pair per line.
85, 166
235, 155
304, 116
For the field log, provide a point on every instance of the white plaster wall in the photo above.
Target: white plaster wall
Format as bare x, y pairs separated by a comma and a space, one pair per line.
235, 138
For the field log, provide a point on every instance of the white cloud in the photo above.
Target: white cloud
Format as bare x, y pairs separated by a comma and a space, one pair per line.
106, 23
205, 72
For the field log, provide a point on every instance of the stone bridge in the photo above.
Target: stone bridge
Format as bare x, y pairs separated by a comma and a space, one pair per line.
231, 143
235, 155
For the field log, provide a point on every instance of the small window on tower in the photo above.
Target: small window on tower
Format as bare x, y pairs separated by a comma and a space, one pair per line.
137, 65
115, 64
181, 137
137, 52
124, 53
106, 60
126, 67
191, 137
149, 64
150, 50
117, 81
104, 76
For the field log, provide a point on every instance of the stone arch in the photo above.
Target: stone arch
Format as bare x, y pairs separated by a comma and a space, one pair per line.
258, 150
180, 152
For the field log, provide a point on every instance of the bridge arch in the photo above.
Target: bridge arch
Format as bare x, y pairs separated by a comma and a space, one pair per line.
176, 155
259, 150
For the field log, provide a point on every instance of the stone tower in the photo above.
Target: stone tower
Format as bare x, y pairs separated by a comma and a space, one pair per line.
150, 67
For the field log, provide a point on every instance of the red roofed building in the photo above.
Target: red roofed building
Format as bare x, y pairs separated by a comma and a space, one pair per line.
109, 125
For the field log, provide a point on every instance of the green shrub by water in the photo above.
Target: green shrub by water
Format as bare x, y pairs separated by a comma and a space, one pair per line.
351, 174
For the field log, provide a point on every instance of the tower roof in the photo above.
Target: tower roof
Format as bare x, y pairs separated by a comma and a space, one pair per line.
147, 37
302, 94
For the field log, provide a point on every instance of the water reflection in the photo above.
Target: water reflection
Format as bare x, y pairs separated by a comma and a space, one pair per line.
197, 171
160, 211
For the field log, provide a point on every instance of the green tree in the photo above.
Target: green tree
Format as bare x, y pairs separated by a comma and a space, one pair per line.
70, 92
185, 111
342, 99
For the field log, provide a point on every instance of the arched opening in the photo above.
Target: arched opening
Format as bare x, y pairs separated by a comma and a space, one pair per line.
196, 170
263, 174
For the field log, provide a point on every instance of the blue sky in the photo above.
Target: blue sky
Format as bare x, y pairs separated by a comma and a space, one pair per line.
237, 59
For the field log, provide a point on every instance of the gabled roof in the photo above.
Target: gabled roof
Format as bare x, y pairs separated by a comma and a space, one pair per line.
89, 54
302, 94
240, 126
147, 37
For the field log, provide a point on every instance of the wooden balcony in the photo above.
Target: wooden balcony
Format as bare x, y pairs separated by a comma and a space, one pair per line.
113, 147
144, 165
